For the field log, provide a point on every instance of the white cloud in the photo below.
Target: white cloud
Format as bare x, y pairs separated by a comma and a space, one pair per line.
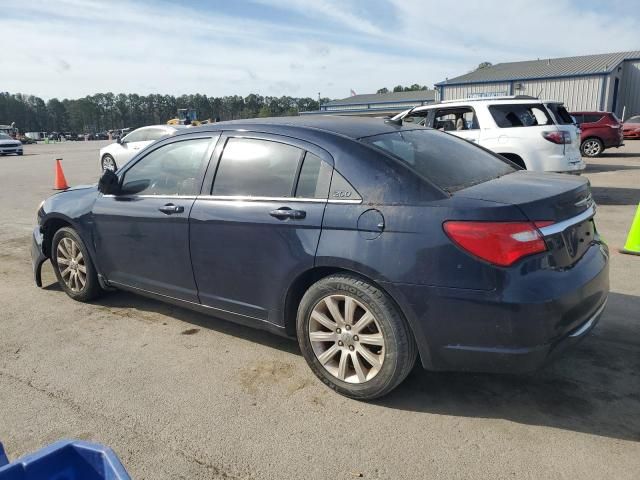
72, 48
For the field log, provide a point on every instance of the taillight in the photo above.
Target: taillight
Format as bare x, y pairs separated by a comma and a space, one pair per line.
560, 137
500, 243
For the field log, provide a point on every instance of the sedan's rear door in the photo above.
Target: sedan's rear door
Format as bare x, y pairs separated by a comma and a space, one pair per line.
259, 227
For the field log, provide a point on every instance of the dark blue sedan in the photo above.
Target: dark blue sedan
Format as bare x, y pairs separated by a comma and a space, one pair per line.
373, 243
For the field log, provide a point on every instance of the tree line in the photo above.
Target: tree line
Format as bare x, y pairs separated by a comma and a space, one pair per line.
107, 111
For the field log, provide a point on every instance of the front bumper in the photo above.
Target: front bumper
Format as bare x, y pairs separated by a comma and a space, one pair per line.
11, 149
536, 314
37, 255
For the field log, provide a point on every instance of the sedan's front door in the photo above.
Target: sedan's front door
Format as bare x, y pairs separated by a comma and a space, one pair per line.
259, 229
141, 235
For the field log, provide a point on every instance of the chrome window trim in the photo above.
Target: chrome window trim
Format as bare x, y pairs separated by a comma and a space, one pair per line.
562, 226
179, 197
239, 198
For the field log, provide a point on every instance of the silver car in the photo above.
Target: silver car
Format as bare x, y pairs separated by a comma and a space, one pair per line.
9, 145
117, 154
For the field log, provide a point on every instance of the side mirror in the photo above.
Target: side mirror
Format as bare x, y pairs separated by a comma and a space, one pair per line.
109, 183
119, 140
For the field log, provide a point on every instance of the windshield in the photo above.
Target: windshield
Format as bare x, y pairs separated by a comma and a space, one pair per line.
446, 160
4, 136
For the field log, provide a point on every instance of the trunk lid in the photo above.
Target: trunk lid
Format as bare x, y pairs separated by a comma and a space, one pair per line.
564, 200
541, 196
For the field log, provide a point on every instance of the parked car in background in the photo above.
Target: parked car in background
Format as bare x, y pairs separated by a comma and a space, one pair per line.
9, 145
631, 127
101, 136
535, 135
599, 131
117, 154
371, 243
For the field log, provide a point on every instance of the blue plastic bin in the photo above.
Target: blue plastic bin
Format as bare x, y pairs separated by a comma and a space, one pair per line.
65, 460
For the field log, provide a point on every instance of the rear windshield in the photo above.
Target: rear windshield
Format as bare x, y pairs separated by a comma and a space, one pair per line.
520, 115
560, 113
444, 159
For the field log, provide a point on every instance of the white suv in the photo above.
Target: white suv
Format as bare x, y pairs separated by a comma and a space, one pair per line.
537, 135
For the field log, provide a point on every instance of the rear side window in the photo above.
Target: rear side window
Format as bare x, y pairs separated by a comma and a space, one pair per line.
257, 168
592, 118
560, 113
520, 115
315, 178
447, 161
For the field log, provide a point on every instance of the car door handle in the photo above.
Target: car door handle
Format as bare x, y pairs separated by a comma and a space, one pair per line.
285, 212
170, 209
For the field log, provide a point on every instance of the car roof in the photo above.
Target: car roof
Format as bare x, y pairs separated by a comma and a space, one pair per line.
486, 101
351, 127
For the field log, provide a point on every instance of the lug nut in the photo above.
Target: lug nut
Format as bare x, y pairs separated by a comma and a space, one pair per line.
351, 347
348, 327
340, 343
338, 330
355, 338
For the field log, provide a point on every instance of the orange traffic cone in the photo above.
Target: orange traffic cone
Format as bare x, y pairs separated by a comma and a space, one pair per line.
60, 183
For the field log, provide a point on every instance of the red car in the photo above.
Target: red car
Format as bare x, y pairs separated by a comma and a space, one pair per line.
600, 130
631, 127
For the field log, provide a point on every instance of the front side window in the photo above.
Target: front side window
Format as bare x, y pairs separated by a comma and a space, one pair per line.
520, 115
155, 133
257, 168
136, 136
455, 119
173, 169
446, 160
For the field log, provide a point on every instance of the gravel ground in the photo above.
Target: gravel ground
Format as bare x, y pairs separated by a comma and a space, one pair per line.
180, 395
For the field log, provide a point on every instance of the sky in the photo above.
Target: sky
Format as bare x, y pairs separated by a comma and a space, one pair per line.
73, 48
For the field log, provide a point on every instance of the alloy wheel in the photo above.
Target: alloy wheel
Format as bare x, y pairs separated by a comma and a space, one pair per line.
346, 339
591, 148
71, 264
108, 163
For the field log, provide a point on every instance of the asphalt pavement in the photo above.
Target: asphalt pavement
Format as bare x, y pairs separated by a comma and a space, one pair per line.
177, 394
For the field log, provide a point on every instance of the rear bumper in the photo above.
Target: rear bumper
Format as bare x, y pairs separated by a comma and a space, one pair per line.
532, 317
37, 256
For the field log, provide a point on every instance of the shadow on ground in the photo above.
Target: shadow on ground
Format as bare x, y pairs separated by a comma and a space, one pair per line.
603, 167
616, 195
593, 388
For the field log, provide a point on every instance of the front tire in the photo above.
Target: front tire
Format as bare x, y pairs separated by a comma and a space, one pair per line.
108, 163
73, 267
354, 338
592, 147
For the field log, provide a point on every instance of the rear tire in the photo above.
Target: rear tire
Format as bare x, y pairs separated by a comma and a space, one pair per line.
592, 147
354, 338
73, 267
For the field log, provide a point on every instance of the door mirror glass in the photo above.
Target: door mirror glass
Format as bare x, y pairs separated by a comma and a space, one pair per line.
134, 187
109, 183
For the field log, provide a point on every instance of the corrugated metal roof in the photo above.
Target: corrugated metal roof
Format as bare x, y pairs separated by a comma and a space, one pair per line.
546, 68
416, 95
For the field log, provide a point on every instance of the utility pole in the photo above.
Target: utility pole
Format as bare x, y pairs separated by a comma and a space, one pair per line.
319, 101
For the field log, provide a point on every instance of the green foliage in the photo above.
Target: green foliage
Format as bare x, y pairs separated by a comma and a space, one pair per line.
400, 88
106, 111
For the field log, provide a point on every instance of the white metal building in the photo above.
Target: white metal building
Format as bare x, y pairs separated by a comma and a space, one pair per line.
607, 82
375, 104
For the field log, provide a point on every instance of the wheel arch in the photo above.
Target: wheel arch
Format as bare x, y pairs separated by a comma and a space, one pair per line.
302, 283
515, 158
49, 228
